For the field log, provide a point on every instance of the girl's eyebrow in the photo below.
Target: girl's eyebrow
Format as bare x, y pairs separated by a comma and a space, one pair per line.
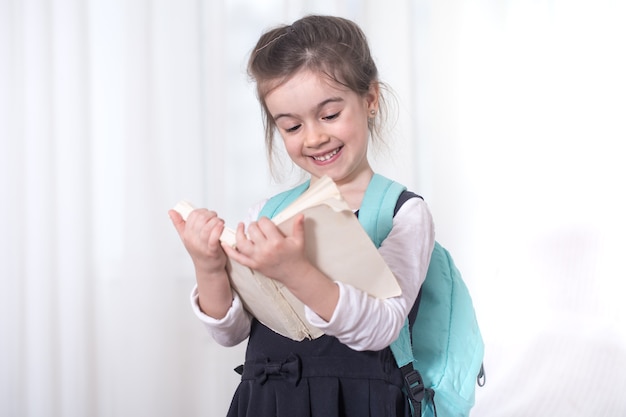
317, 108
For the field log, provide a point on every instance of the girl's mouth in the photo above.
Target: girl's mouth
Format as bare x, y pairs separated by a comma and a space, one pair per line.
327, 156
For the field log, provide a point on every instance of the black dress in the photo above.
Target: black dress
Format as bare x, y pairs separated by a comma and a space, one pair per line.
316, 378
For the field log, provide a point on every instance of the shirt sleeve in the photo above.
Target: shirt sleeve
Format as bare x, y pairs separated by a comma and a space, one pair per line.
363, 322
230, 330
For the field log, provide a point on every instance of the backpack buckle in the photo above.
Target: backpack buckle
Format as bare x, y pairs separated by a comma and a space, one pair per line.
413, 383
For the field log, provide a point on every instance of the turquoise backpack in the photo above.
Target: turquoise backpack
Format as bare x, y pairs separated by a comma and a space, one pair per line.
440, 349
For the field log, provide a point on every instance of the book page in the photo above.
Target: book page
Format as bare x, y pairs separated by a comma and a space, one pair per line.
339, 247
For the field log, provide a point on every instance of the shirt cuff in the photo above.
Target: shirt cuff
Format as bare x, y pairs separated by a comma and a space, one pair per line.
226, 321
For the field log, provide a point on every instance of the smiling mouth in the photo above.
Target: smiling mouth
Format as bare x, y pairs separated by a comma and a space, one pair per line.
327, 156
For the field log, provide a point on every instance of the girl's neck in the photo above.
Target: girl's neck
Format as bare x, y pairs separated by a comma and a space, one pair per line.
353, 190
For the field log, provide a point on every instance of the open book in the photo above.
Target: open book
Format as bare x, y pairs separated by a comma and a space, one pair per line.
335, 243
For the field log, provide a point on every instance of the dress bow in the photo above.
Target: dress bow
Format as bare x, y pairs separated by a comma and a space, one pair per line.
289, 369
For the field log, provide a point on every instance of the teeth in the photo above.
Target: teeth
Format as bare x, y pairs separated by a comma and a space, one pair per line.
327, 156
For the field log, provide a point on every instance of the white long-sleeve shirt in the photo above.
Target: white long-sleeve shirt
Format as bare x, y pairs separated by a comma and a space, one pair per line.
359, 321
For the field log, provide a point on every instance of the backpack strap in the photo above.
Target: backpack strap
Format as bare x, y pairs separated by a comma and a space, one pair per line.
380, 203
377, 208
277, 203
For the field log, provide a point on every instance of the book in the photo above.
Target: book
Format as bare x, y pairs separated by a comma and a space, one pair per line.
335, 243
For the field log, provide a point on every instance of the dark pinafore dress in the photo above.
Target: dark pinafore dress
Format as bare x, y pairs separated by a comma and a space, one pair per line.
316, 378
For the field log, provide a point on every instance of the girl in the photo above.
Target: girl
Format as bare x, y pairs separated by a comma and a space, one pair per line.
318, 87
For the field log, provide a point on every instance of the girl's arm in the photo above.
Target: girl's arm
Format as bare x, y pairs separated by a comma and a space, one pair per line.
231, 330
366, 323
213, 295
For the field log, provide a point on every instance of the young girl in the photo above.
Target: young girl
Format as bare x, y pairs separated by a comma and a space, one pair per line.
319, 88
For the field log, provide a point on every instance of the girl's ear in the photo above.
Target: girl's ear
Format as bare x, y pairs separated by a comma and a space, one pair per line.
372, 97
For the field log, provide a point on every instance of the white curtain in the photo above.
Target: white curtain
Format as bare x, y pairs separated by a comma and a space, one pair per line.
511, 125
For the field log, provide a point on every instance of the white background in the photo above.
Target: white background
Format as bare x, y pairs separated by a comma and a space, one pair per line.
511, 123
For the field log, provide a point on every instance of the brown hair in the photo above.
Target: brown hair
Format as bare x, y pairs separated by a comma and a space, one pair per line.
333, 46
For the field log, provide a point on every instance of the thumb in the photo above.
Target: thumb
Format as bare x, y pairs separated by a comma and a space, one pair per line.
178, 221
298, 228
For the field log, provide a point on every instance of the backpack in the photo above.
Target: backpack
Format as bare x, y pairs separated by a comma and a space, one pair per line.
440, 348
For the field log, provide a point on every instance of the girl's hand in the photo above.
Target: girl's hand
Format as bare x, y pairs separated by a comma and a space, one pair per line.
200, 235
267, 250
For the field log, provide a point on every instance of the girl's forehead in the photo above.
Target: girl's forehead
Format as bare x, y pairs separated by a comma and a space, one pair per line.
305, 84
306, 93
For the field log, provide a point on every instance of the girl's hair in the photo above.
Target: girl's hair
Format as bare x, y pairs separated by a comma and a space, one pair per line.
333, 46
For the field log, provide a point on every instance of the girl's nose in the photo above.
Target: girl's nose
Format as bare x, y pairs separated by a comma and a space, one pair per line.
315, 138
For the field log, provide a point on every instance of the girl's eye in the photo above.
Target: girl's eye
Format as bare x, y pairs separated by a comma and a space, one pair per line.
292, 129
331, 117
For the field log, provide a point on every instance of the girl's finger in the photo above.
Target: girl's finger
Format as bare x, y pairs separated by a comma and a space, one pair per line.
177, 220
255, 233
216, 230
298, 228
242, 242
269, 229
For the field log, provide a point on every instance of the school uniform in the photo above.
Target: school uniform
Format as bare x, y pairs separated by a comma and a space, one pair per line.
324, 378
349, 371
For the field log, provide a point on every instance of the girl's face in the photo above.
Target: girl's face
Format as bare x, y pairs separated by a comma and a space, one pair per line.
324, 126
